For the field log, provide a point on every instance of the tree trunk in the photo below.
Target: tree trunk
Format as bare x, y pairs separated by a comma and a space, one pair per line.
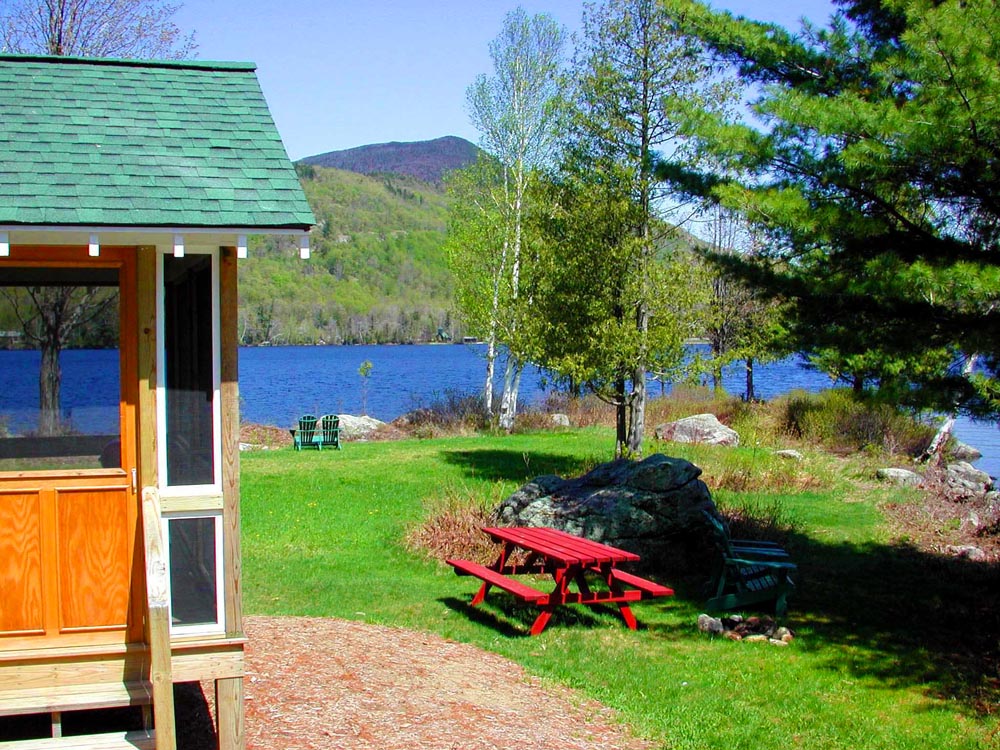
491, 357
935, 451
621, 420
751, 395
508, 399
49, 387
637, 411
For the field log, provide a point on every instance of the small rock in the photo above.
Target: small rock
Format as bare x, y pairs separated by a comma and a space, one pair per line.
776, 642
756, 639
788, 637
966, 552
791, 455
963, 452
780, 633
708, 624
902, 477
559, 420
733, 635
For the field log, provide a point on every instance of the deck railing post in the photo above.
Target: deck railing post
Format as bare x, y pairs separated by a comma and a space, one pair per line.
158, 621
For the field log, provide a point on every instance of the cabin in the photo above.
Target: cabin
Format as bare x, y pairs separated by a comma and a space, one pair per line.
127, 192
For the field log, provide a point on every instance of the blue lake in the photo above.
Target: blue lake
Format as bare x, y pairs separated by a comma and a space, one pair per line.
278, 384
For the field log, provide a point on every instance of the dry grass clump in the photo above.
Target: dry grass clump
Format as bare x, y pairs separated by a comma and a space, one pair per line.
265, 435
453, 527
778, 478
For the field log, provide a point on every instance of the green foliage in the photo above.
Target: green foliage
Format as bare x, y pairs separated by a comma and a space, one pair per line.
837, 419
377, 274
614, 302
872, 164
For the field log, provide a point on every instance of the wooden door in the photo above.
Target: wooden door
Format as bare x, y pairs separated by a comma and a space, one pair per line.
70, 565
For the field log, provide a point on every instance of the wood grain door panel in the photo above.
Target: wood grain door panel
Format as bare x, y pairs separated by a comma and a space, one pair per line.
22, 608
92, 528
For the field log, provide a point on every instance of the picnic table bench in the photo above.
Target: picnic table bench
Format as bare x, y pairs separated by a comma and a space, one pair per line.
568, 559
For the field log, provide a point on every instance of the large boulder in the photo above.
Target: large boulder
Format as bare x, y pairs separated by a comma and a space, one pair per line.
962, 475
651, 507
358, 428
700, 428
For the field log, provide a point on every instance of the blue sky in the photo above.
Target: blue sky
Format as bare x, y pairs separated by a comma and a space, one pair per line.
340, 73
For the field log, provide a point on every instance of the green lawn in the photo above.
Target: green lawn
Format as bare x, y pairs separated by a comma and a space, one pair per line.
895, 648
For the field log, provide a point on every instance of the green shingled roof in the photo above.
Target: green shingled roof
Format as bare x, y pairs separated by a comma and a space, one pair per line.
139, 143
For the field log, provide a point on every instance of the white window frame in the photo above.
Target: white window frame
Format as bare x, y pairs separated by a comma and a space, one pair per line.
214, 489
219, 626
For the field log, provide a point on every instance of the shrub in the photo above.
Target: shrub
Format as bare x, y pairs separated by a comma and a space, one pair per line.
839, 421
453, 412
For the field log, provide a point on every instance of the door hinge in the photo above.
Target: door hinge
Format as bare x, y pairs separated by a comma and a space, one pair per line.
135, 484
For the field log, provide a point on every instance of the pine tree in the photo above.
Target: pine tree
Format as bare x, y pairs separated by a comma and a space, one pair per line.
872, 164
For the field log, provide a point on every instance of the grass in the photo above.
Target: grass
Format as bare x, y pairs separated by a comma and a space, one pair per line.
895, 648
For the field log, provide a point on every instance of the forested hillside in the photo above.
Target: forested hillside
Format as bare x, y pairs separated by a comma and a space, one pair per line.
377, 274
425, 160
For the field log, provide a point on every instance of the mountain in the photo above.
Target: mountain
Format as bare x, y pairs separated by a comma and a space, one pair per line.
425, 160
378, 271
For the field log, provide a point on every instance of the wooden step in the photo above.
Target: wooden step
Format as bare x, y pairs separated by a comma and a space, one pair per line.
143, 740
80, 697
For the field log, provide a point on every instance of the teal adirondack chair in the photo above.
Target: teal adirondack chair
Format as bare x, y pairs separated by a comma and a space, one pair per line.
305, 435
751, 572
329, 431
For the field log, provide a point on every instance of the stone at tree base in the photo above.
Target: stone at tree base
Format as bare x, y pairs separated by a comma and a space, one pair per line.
559, 420
902, 477
963, 452
652, 507
699, 428
965, 476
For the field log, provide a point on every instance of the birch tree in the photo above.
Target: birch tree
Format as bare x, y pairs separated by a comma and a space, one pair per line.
513, 111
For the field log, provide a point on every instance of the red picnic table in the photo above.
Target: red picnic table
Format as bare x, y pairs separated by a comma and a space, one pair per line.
567, 559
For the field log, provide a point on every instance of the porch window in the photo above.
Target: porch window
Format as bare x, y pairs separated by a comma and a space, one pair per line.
60, 367
194, 545
190, 374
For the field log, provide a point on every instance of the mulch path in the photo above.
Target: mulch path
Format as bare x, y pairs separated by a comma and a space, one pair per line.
323, 684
